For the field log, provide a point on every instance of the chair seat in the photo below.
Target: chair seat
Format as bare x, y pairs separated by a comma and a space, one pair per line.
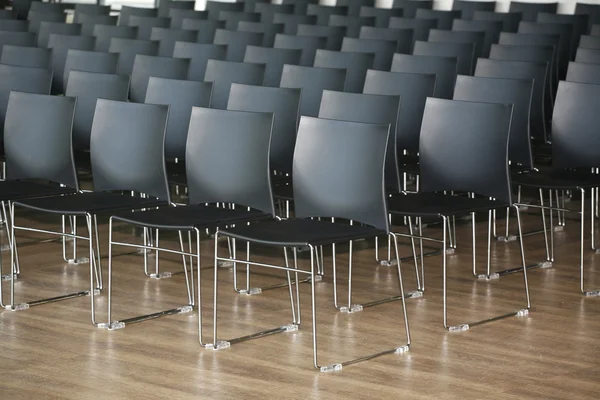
557, 179
16, 190
435, 204
300, 232
190, 217
90, 202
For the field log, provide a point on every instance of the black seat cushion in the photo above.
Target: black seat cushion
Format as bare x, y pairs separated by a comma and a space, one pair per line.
16, 190
547, 178
437, 204
300, 232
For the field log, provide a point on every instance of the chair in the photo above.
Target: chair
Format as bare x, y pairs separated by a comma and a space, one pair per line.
35, 19
165, 7
21, 8
589, 56
23, 56
224, 73
444, 69
268, 30
167, 38
178, 15
104, 34
233, 18
144, 25
355, 5
530, 11
274, 60
463, 52
355, 64
90, 61
583, 73
382, 15
565, 32
128, 49
468, 7
13, 25
510, 20
215, 7
7, 15
404, 37
589, 42
324, 12
60, 28
312, 81
520, 39
60, 45
267, 11
594, 30
48, 8
236, 42
578, 23
24, 39
420, 27
250, 5
382, 49
89, 22
291, 21
89, 9
308, 45
592, 10
128, 11
206, 28
477, 39
199, 54
410, 7
444, 18
352, 24
359, 169
333, 34
491, 31
146, 66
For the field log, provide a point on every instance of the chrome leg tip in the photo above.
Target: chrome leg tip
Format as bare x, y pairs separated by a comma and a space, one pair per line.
450, 251
522, 313
303, 248
592, 293
318, 278
490, 277
113, 326
4, 247
597, 251
225, 264
103, 325
545, 264
8, 277
458, 328
289, 328
18, 307
402, 349
77, 261
161, 275
354, 308
251, 291
97, 291
506, 239
331, 368
388, 263
559, 228
414, 294
186, 309
223, 344
144, 251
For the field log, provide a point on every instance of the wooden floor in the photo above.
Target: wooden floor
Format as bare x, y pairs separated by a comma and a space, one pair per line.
52, 350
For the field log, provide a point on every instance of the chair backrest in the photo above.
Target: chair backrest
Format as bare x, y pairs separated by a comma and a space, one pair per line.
21, 8
367, 108
535, 53
355, 64
284, 103
269, 30
333, 34
161, 67
589, 42
181, 96
410, 7
352, 24
267, 11
463, 52
454, 154
590, 56
145, 25
88, 87
355, 5
517, 92
291, 21
165, 6
444, 69
13, 25
60, 45
17, 39
491, 31
420, 27
233, 18
413, 90
583, 73
308, 45
382, 15
404, 37
312, 81
35, 57
578, 22
89, 22
199, 54
236, 42
177, 16
215, 7
531, 10
444, 18
535, 71
300, 6
477, 39
382, 49
467, 7
128, 11
49, 28
36, 18
105, 33
575, 143
89, 9
228, 158
128, 49
90, 61
339, 171
565, 32
224, 73
323, 12
206, 28
47, 8
590, 9
34, 153
119, 131
510, 20
274, 60
166, 39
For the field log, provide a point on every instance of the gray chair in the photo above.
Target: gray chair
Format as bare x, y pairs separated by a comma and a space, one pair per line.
491, 31
167, 38
273, 59
24, 56
199, 54
420, 26
178, 15
308, 45
589, 42
269, 30
236, 42
144, 25
24, 39
233, 18
13, 25
409, 7
324, 12
530, 11
382, 15
48, 8
291, 21
589, 56
404, 37
522, 39
589, 9
463, 52
128, 49
355, 5
215, 7
475, 38
206, 28
444, 69
89, 9
444, 18
104, 34
510, 20
352, 24
90, 61
583, 73
355, 64
224, 73
468, 7
146, 66
165, 6
89, 22
49, 28
333, 34
60, 45
267, 11
565, 32
579, 23
128, 11
35, 19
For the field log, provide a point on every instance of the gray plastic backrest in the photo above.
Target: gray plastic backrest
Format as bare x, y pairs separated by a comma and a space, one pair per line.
104, 34
24, 56
206, 28
593, 10
468, 7
510, 21
291, 21
464, 148
250, 5
463, 52
224, 73
119, 132
529, 10
521, 70
323, 12
355, 5
47, 8
90, 61
12, 25
34, 153
274, 60
177, 16
444, 18
165, 6
565, 33
88, 22
590, 56
491, 31
444, 69
227, 158
382, 15
583, 73
504, 91
161, 67
382, 49
339, 171
145, 25
236, 42
413, 90
267, 10
21, 8
233, 18
89, 9
284, 103
269, 30
7, 14
535, 53
312, 81
128, 49
410, 7
127, 11
215, 7
17, 39
420, 27
475, 38
404, 37
579, 23
575, 143
88, 87
48, 28
181, 96
352, 24
308, 45
199, 54
333, 34
36, 18
167, 38
589, 42
60, 45
367, 108
355, 64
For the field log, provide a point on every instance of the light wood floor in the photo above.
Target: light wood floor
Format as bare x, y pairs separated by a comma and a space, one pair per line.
52, 351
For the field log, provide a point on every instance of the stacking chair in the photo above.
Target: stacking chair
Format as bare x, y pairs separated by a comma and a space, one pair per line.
233, 18
269, 30
7, 15
491, 31
583, 73
324, 12
104, 34
49, 28
161, 67
128, 49
250, 5
21, 8
47, 8
206, 28
355, 5
165, 7
467, 7
199, 54
444, 18
144, 25
308, 45
89, 9
267, 11
312, 81
35, 19
530, 11
352, 24
510, 20
595, 30
300, 6
590, 56
420, 27
35, 57
355, 64
167, 38
333, 34
565, 32
60, 45
27, 39
382, 15
444, 69
589, 9
178, 15
90, 61
463, 52
14, 25
477, 39
291, 21
579, 23
404, 37
273, 59
236, 42
382, 49
215, 7
224, 73
89, 22
128, 11
589, 42
410, 7
323, 179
